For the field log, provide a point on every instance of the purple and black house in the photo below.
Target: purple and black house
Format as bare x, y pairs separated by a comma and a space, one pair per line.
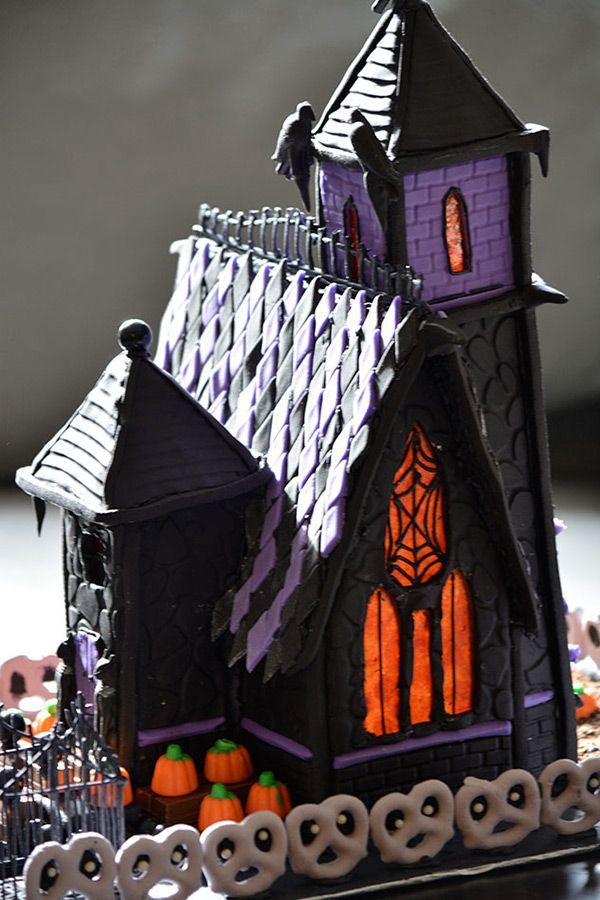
321, 520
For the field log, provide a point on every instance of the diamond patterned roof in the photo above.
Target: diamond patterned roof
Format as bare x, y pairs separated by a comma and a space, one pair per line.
295, 367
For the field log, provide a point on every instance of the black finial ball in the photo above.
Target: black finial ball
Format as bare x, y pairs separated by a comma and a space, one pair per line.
135, 337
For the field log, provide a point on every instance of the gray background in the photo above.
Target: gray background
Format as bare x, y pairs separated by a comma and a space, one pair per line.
120, 117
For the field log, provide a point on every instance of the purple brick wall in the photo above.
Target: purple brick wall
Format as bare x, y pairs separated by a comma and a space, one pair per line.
484, 185
336, 184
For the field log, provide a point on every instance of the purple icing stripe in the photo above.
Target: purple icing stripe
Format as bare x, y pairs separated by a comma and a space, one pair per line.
538, 699
276, 740
483, 729
189, 729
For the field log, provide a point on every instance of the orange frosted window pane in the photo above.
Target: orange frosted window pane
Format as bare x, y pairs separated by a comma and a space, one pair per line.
381, 641
457, 241
415, 540
457, 644
352, 228
421, 688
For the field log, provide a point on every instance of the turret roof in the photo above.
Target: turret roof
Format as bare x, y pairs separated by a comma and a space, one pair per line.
418, 90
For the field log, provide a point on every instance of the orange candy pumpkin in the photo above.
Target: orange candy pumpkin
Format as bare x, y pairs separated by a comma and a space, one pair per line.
174, 773
227, 763
219, 806
108, 796
588, 707
45, 719
268, 793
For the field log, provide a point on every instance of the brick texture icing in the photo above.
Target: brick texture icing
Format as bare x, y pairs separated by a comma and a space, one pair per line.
484, 185
338, 183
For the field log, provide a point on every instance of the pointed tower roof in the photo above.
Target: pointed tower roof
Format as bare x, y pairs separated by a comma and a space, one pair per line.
418, 90
139, 445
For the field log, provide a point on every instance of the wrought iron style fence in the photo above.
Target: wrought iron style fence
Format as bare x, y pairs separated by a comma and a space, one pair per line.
277, 234
53, 786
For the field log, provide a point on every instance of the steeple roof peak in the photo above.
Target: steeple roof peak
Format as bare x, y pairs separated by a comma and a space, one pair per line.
139, 445
417, 88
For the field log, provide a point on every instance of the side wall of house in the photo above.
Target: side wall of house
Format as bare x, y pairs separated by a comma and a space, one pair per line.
484, 185
94, 618
501, 355
337, 184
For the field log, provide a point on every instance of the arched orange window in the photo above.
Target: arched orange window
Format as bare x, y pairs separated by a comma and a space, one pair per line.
421, 687
457, 644
381, 645
415, 540
352, 232
456, 232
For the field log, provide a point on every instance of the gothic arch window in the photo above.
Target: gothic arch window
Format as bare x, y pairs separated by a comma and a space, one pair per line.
457, 644
352, 233
381, 640
456, 232
418, 609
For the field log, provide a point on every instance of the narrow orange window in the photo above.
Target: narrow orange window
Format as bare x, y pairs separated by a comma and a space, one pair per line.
421, 688
457, 644
352, 229
415, 540
381, 644
456, 232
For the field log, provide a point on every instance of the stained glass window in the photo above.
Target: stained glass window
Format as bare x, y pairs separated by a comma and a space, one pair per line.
412, 609
415, 541
457, 644
352, 229
456, 232
421, 687
381, 645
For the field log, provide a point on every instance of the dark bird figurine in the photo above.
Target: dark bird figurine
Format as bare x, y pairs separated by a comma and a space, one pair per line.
294, 151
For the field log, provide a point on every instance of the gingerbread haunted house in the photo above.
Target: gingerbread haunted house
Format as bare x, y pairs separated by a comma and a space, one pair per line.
320, 520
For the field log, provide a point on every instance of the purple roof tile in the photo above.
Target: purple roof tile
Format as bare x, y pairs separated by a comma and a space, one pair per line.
207, 340
364, 404
332, 528
391, 320
305, 341
219, 379
324, 309
330, 401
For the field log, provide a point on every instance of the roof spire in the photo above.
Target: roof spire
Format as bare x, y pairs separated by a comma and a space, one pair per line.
135, 337
380, 6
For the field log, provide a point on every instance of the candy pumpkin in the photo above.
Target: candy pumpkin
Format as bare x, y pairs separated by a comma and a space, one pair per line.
268, 793
45, 719
227, 763
219, 806
174, 773
109, 795
588, 703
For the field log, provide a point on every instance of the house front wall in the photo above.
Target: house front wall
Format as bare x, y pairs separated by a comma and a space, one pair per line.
478, 741
484, 186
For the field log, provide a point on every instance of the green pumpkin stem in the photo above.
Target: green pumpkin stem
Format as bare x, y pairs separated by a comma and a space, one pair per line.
223, 745
267, 779
51, 707
175, 753
220, 792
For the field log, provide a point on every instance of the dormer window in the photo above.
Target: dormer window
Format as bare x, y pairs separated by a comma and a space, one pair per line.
456, 232
352, 233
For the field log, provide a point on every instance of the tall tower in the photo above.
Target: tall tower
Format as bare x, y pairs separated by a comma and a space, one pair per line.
422, 162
